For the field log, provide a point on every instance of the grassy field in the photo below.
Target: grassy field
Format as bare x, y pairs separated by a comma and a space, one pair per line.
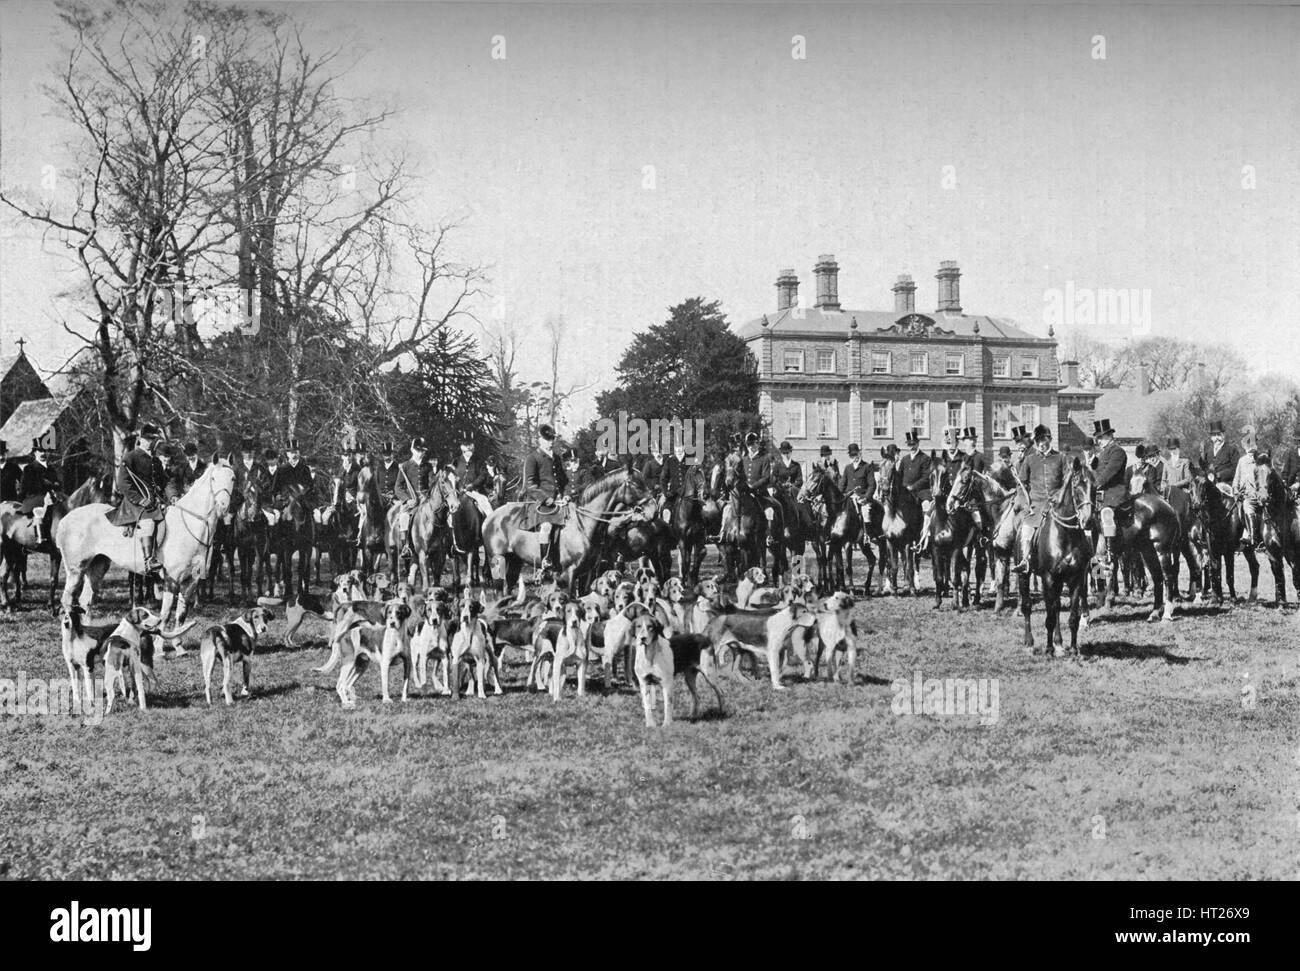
1169, 750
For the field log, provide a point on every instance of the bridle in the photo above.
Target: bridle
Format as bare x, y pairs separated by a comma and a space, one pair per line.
1082, 509
208, 530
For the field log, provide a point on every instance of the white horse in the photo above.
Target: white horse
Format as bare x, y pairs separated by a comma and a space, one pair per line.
90, 543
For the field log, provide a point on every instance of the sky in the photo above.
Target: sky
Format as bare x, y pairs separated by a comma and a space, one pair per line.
993, 135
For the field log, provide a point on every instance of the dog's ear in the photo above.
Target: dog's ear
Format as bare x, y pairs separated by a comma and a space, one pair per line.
403, 612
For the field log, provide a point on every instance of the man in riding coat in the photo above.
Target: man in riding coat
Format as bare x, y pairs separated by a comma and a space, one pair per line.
387, 472
786, 470
951, 447
1286, 462
188, 470
578, 477
294, 472
544, 483
142, 483
350, 471
756, 467
1177, 470
1023, 442
604, 464
411, 488
1219, 459
651, 466
858, 481
1044, 470
914, 467
827, 463
679, 476
11, 475
38, 482
248, 470
471, 475
1111, 477
974, 459
1246, 484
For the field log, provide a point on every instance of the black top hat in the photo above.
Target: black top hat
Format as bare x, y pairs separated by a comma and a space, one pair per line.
4, 447
786, 447
191, 449
246, 444
1004, 452
1041, 432
1140, 451
149, 431
1216, 428
968, 434
1172, 443
291, 445
387, 449
751, 438
826, 449
358, 446
38, 445
912, 438
1019, 433
417, 444
547, 433
270, 455
467, 442
1102, 427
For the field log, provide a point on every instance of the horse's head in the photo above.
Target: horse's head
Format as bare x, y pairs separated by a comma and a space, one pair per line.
450, 497
885, 481
813, 484
939, 480
963, 486
1077, 492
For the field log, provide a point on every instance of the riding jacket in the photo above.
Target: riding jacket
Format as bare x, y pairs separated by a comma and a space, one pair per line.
1221, 465
1288, 466
675, 477
1111, 474
388, 474
544, 476
976, 461
787, 475
757, 471
183, 476
859, 479
258, 476
472, 476
142, 483
915, 470
290, 475
350, 475
651, 470
412, 481
1044, 474
604, 467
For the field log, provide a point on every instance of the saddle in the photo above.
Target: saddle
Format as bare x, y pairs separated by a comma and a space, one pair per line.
536, 513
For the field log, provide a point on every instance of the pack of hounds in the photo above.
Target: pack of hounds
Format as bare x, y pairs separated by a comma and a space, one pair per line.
654, 630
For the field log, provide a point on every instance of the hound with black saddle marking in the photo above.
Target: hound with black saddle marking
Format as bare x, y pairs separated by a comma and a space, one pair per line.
364, 641
659, 659
233, 641
746, 629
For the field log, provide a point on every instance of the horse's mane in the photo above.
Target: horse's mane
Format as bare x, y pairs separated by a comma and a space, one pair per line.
607, 484
81, 496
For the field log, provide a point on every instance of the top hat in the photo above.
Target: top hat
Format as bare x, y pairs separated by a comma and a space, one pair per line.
149, 431
751, 438
418, 445
1171, 443
1216, 428
246, 444
968, 434
358, 446
1019, 433
270, 455
1004, 452
1042, 432
826, 450
1102, 427
467, 442
547, 433
949, 435
1140, 451
786, 447
190, 449
912, 438
387, 449
291, 445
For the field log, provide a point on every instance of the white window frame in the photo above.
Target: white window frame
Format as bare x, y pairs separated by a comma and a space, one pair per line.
1033, 359
803, 417
825, 370
1036, 408
1005, 434
785, 360
889, 418
922, 431
925, 362
889, 362
961, 364
961, 417
834, 416
1003, 359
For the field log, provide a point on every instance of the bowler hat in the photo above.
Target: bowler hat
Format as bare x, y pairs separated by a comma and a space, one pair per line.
1140, 451
270, 455
1041, 432
547, 432
417, 444
824, 450
853, 448
1004, 452
751, 438
786, 447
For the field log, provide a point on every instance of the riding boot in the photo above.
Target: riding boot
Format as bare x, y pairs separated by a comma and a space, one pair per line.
151, 564
543, 558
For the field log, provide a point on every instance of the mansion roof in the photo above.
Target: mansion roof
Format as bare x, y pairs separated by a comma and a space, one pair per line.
819, 322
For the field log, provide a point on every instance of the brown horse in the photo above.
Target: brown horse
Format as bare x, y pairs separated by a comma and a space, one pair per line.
1061, 553
430, 537
371, 521
689, 529
1152, 531
954, 535
506, 533
901, 522
841, 530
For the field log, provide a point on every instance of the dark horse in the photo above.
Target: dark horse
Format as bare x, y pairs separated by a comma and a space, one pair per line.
688, 527
743, 531
467, 544
1060, 557
334, 531
954, 534
1151, 530
900, 527
1221, 524
371, 519
249, 536
840, 526
294, 533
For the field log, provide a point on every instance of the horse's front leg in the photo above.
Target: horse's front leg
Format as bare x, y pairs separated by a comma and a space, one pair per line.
1026, 607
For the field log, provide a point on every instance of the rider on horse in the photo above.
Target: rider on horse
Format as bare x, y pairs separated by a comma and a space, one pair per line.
914, 467
187, 471
1246, 483
471, 475
294, 472
387, 473
972, 458
1043, 473
38, 482
142, 483
1112, 483
1178, 470
411, 488
11, 475
678, 477
544, 484
858, 481
249, 473
756, 468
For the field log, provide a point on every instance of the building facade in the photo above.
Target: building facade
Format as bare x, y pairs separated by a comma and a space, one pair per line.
831, 376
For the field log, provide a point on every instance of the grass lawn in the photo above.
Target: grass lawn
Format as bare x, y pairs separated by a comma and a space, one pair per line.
1168, 751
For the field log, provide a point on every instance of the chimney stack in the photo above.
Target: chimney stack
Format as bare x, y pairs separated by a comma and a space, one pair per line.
787, 290
904, 294
949, 288
828, 282
1202, 378
1144, 379
1070, 373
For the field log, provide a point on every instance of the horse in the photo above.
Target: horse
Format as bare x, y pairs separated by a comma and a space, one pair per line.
743, 529
249, 537
901, 522
686, 519
799, 531
334, 529
294, 532
839, 527
1181, 503
429, 533
371, 521
467, 541
18, 538
89, 543
647, 541
954, 535
1061, 553
505, 532
1153, 532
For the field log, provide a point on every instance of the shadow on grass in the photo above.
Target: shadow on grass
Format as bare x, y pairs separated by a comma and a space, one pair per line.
1124, 651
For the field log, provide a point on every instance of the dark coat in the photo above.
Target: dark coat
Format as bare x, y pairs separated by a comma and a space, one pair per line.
1112, 474
787, 475
544, 477
142, 483
473, 475
916, 474
651, 470
412, 483
1222, 465
258, 476
604, 467
675, 478
1288, 465
182, 476
299, 475
387, 476
862, 479
757, 471
976, 461
350, 474
1044, 474
11, 477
